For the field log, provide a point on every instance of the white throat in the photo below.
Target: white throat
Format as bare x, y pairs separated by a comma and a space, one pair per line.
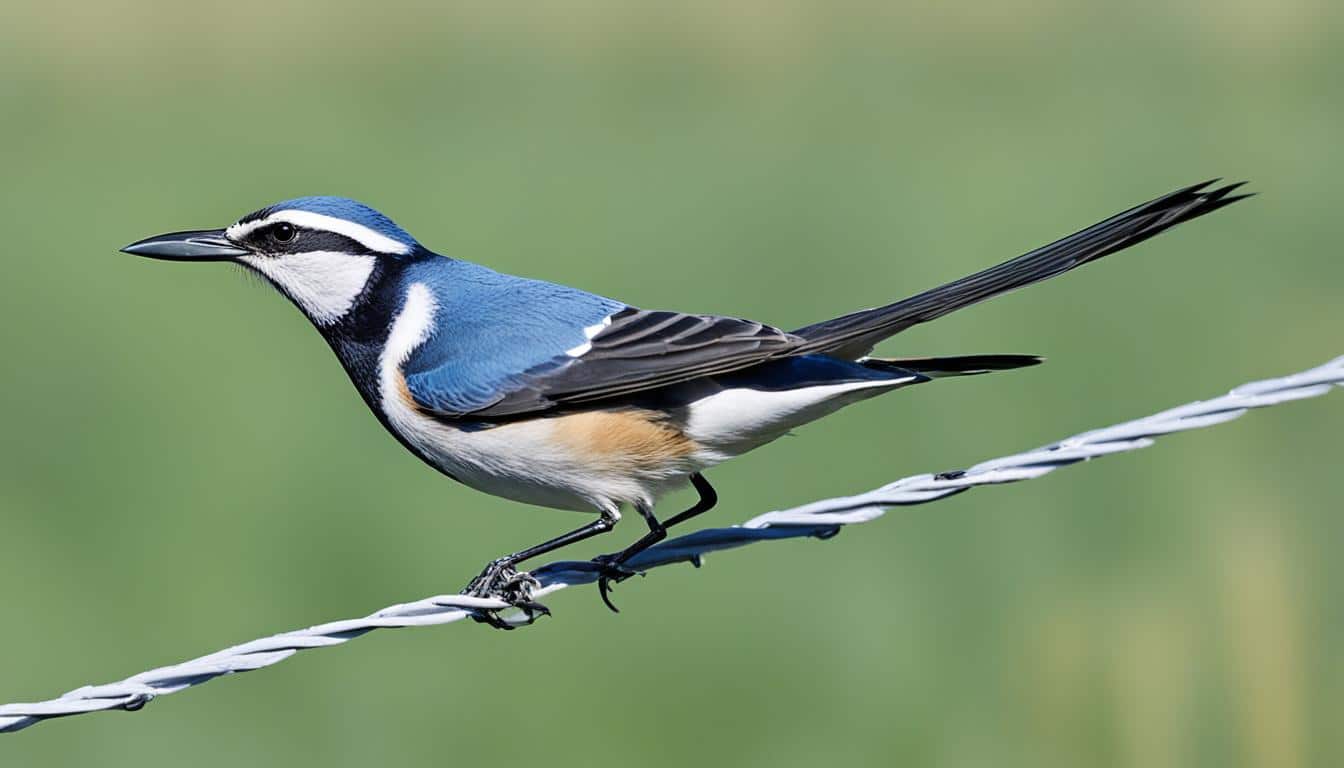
324, 284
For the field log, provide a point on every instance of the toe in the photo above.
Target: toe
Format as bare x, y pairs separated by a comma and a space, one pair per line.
604, 589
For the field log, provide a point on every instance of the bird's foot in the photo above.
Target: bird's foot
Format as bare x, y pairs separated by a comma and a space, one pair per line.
502, 581
611, 571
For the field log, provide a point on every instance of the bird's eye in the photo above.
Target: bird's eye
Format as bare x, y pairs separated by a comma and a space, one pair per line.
283, 232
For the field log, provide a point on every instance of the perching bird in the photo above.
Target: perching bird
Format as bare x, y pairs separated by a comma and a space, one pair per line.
553, 396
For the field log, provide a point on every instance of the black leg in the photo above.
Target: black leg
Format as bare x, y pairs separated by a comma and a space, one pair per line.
613, 569
657, 532
605, 522
708, 498
501, 579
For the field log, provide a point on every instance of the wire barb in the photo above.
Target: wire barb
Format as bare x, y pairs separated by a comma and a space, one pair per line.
820, 519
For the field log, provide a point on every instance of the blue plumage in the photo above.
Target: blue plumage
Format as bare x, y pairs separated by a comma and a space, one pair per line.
555, 396
492, 330
809, 371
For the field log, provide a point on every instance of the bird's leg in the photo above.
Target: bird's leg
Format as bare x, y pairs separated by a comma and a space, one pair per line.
708, 498
614, 570
502, 579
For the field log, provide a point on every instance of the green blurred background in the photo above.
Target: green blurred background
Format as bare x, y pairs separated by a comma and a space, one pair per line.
184, 465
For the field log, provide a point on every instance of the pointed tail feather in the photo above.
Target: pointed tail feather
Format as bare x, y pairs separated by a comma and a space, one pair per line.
958, 365
853, 335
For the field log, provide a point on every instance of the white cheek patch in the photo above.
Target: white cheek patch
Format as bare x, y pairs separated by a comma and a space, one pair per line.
324, 284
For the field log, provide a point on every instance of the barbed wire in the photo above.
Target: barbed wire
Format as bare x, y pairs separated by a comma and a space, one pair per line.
820, 519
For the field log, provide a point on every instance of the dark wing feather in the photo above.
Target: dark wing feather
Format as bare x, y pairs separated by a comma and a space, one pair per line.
854, 335
642, 350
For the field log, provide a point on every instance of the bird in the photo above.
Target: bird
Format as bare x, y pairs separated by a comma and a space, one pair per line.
554, 396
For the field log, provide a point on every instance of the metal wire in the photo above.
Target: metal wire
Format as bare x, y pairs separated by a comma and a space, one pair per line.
820, 519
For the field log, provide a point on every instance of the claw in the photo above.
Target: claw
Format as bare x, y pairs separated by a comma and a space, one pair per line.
531, 609
534, 609
604, 589
493, 619
501, 580
521, 582
612, 573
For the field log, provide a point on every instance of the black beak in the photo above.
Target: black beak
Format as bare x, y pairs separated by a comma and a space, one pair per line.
198, 245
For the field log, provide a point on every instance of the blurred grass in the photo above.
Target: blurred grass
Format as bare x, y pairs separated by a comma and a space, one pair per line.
184, 465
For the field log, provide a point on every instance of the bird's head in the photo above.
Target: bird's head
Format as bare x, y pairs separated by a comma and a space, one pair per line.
321, 252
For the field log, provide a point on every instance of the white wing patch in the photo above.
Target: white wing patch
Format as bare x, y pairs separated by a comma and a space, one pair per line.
324, 284
589, 332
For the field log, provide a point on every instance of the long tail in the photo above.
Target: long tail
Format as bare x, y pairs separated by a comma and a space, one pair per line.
959, 365
853, 335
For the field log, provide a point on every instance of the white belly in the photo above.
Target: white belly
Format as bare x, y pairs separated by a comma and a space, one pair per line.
559, 462
599, 459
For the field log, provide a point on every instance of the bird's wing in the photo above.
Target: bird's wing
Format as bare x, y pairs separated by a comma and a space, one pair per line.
635, 350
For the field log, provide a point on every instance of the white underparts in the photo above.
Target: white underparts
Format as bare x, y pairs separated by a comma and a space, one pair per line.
733, 421
324, 284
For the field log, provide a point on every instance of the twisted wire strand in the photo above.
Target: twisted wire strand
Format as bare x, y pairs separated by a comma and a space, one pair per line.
820, 519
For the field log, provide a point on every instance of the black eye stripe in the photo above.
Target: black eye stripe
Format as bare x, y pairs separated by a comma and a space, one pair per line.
306, 240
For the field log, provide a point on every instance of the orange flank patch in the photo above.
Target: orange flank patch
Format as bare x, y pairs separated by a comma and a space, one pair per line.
634, 435
404, 392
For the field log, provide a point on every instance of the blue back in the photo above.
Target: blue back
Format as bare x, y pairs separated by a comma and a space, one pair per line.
491, 327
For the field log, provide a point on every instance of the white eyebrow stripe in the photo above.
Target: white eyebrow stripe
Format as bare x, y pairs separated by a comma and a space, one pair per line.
374, 241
